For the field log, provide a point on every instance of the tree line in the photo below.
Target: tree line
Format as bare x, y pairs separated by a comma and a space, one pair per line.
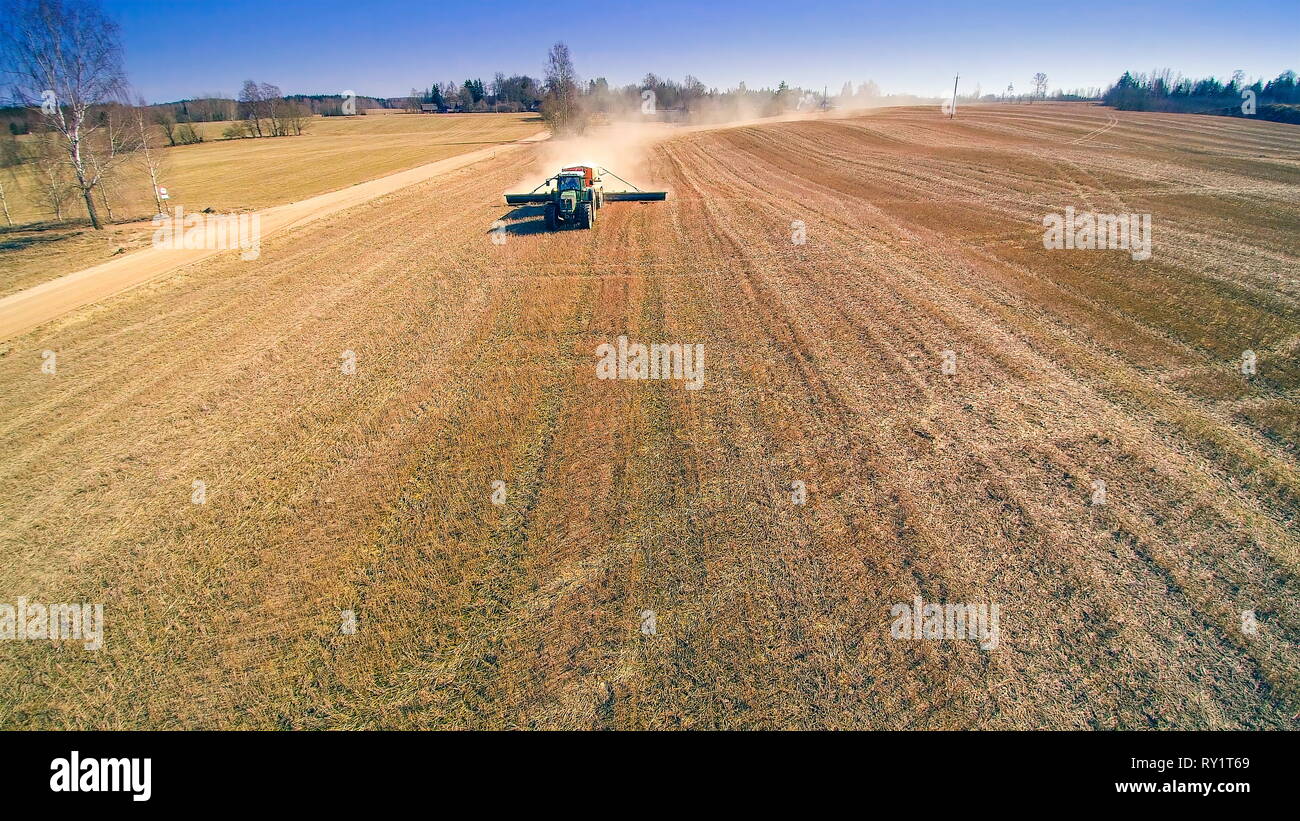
1164, 90
503, 94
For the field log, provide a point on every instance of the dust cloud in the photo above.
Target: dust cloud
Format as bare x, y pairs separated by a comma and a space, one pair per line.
624, 145
621, 147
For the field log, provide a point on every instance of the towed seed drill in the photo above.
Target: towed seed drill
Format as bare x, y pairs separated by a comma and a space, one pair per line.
574, 195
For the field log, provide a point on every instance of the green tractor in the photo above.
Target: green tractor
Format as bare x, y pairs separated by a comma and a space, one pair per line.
577, 194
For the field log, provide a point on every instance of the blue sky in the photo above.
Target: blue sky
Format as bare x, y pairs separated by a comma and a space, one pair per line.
179, 49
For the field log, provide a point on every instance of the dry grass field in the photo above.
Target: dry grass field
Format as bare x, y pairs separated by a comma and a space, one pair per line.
243, 175
371, 492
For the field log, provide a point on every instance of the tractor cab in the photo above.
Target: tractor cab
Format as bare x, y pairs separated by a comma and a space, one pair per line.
587, 173
573, 201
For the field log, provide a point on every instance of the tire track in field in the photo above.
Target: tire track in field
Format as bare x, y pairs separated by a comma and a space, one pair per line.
791, 199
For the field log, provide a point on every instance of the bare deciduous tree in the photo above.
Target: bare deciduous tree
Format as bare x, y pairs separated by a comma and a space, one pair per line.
149, 154
64, 56
167, 121
52, 176
10, 158
273, 108
561, 107
250, 100
112, 142
1040, 85
296, 116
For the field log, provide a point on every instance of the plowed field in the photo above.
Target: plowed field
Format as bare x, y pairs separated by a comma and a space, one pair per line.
475, 362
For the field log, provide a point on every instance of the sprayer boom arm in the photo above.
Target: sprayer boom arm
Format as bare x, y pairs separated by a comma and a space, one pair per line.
635, 195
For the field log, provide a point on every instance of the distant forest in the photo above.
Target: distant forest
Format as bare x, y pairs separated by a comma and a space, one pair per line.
1162, 90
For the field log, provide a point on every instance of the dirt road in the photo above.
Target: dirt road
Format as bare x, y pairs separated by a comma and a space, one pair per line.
651, 564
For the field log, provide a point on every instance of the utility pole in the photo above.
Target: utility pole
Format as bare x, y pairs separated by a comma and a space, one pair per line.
953, 111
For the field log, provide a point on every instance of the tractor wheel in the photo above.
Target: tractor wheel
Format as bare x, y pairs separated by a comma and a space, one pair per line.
584, 215
551, 223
